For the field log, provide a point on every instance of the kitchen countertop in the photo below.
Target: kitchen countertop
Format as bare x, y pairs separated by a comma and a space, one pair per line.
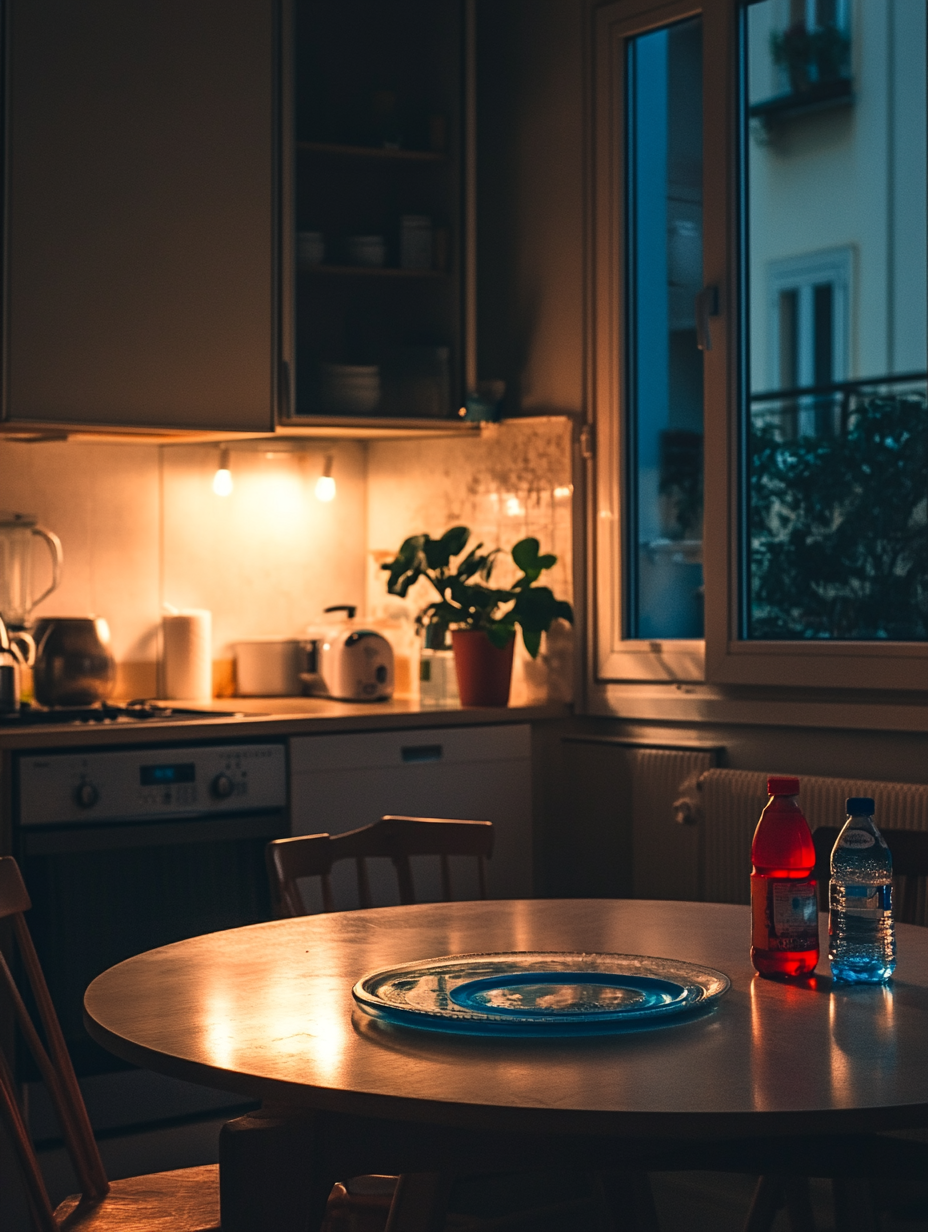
259, 718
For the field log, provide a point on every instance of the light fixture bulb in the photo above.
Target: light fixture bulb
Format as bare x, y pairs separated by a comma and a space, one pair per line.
222, 480
325, 488
325, 484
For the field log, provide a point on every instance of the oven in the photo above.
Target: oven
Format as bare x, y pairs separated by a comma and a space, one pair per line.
125, 849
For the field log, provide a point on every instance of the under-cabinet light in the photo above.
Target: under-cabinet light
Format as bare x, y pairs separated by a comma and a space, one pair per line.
325, 484
222, 480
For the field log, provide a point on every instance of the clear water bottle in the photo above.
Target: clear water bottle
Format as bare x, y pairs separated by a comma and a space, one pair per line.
861, 938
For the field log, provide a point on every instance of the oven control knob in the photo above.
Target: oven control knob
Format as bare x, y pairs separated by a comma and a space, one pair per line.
222, 787
86, 795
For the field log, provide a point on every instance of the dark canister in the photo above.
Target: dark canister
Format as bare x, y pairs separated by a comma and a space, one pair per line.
73, 664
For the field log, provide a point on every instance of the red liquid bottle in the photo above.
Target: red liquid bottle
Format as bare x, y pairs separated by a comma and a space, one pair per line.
784, 910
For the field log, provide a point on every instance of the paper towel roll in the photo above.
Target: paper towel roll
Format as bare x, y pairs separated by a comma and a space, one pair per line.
188, 655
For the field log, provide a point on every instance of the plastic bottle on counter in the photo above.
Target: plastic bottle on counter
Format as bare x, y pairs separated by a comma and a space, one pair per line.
784, 912
861, 935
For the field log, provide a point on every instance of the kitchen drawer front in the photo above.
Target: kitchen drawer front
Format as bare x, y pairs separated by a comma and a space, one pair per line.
449, 745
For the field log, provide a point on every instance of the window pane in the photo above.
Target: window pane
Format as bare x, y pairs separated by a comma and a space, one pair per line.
836, 444
664, 393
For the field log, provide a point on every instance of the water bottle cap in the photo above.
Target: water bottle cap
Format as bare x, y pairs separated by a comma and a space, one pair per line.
860, 806
782, 785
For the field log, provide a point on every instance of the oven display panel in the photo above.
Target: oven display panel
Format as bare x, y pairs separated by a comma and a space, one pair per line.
163, 776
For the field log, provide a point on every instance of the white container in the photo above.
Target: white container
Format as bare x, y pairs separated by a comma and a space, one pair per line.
268, 667
188, 656
415, 242
438, 678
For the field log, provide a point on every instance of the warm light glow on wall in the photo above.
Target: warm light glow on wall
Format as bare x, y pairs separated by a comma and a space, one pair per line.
325, 484
222, 480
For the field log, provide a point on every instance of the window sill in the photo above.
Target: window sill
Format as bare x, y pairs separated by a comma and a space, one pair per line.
821, 96
684, 702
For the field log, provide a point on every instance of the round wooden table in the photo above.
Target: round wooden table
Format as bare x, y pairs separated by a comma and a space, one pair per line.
267, 1011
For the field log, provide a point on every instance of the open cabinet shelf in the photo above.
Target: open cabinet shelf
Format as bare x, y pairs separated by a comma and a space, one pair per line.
379, 147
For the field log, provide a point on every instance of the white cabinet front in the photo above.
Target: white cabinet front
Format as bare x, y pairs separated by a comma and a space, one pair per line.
475, 773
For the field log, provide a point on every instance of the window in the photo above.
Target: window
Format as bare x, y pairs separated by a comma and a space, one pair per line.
760, 317
664, 375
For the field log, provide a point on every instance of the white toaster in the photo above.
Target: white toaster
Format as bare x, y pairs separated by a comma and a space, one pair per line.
347, 663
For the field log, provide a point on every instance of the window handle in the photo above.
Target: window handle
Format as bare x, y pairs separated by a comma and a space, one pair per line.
707, 305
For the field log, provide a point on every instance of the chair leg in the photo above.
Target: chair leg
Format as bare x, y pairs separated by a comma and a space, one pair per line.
420, 1202
854, 1209
799, 1204
774, 1192
629, 1201
767, 1200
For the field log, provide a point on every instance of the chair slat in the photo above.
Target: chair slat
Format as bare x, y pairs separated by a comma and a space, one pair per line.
34, 1184
396, 838
14, 898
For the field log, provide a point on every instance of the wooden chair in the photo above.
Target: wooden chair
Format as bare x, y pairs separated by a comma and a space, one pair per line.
909, 850
289, 860
186, 1200
415, 1201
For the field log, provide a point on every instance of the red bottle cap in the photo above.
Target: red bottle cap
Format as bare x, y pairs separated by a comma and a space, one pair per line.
782, 785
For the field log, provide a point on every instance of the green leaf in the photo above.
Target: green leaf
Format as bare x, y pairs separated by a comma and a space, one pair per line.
438, 552
525, 554
406, 568
531, 639
500, 633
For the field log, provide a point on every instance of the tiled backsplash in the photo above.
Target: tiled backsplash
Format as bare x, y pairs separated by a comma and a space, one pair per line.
141, 526
511, 481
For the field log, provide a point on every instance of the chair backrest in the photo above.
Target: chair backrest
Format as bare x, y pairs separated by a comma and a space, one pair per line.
910, 863
52, 1059
396, 838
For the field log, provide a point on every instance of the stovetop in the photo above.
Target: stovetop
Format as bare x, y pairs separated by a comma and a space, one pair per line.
141, 711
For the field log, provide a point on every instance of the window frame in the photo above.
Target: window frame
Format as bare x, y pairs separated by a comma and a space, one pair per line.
724, 657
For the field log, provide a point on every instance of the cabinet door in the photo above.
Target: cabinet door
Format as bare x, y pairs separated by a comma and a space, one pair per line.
140, 220
474, 773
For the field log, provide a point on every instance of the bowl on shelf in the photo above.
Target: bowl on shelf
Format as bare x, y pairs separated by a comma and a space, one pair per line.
368, 250
349, 389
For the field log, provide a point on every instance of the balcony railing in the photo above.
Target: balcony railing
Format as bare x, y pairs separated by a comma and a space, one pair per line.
826, 410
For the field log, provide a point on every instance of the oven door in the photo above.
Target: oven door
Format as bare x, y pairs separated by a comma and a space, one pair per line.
101, 893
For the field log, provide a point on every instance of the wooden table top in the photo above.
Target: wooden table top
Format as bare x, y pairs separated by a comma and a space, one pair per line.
266, 1011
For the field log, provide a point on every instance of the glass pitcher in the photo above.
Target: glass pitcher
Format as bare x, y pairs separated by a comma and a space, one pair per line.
17, 531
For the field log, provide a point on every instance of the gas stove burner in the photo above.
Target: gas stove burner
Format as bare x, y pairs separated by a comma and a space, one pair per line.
141, 710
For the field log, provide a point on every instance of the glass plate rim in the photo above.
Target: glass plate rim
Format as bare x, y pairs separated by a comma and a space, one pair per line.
458, 1018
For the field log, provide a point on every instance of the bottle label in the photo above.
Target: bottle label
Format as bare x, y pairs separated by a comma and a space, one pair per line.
785, 914
858, 839
863, 901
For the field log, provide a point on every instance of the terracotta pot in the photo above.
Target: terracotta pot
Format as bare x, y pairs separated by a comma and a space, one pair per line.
483, 671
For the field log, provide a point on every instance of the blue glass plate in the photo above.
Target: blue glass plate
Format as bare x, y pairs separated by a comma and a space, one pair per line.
539, 994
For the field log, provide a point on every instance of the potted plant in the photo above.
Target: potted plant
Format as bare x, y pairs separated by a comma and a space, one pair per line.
811, 57
482, 618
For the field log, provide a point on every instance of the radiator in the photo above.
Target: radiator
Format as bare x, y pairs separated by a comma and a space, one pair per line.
727, 804
667, 856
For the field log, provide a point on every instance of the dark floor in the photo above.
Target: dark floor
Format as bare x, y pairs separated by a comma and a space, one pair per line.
686, 1202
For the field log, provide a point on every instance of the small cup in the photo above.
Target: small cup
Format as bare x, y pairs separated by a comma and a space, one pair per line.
369, 250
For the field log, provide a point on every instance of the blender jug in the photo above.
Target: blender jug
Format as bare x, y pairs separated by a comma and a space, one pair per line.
17, 531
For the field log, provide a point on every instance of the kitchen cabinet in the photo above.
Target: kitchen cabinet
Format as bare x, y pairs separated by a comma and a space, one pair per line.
376, 320
141, 205
475, 773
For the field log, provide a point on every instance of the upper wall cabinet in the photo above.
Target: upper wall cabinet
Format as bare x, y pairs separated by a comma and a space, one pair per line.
140, 252
376, 319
